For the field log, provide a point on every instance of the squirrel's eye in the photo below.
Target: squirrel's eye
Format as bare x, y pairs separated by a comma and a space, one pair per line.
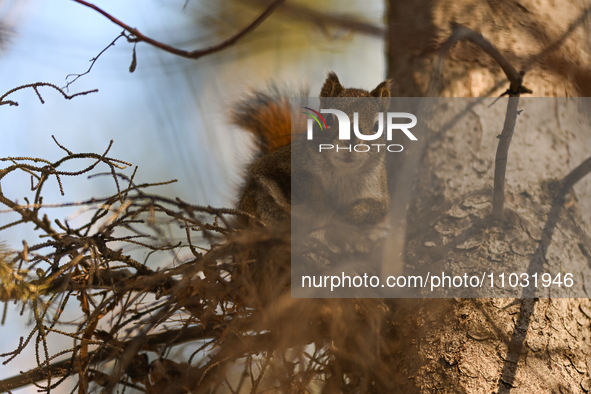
329, 120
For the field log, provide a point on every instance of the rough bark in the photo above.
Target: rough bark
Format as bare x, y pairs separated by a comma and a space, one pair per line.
497, 345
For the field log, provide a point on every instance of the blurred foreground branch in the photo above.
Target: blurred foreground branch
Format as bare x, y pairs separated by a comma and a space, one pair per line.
325, 20
144, 274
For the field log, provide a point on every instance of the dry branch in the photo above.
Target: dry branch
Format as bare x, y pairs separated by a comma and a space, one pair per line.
93, 61
128, 307
195, 54
516, 88
35, 87
224, 291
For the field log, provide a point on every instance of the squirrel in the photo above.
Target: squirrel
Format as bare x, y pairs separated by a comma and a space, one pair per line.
349, 185
334, 204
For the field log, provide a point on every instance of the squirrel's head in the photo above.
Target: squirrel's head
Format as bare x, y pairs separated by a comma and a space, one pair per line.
362, 108
332, 88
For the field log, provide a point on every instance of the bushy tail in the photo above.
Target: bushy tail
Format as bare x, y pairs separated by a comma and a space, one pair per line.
267, 115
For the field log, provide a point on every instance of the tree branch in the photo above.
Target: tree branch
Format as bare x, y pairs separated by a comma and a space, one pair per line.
36, 85
461, 32
501, 157
92, 61
573, 177
536, 265
516, 88
195, 54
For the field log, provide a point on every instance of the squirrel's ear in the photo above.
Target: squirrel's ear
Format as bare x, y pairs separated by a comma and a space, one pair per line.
382, 90
332, 87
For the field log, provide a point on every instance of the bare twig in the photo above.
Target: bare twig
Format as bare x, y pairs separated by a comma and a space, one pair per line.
92, 61
61, 146
195, 54
36, 85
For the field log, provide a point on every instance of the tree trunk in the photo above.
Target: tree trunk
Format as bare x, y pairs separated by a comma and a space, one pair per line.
498, 345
